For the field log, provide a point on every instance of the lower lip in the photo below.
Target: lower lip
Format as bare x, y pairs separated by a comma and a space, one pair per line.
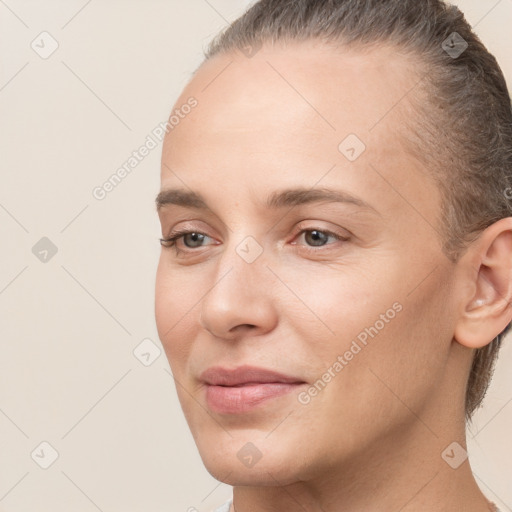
234, 400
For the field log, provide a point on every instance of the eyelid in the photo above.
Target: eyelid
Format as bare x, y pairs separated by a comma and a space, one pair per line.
320, 249
345, 234
178, 234
188, 226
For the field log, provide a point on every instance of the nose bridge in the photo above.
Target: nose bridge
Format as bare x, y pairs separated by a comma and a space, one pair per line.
239, 293
241, 270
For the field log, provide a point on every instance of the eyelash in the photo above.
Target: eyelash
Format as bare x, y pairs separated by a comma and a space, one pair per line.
171, 241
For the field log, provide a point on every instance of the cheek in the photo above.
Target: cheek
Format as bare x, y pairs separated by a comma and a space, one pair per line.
335, 303
163, 301
402, 337
328, 309
173, 311
405, 361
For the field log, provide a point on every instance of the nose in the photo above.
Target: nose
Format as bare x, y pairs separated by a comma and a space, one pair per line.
239, 299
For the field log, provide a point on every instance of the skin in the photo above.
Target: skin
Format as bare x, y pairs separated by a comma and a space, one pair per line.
373, 438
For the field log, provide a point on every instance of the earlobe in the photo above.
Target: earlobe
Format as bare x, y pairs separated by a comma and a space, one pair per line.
488, 309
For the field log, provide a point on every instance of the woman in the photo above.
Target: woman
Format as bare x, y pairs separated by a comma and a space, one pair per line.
336, 267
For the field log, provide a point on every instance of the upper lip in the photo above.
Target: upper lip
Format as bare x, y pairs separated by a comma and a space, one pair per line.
218, 376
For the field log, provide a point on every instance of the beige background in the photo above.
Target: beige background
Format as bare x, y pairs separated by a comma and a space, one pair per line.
68, 375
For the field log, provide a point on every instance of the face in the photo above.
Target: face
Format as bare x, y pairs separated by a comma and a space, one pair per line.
343, 287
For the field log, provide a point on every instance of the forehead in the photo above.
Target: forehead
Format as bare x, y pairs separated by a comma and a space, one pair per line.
284, 112
323, 86
298, 93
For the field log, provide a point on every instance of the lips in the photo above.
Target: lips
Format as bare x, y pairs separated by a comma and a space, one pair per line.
245, 388
244, 375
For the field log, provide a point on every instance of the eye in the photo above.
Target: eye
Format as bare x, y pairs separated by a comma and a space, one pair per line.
191, 239
319, 237
314, 238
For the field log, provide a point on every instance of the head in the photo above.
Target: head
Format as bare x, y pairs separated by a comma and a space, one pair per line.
398, 287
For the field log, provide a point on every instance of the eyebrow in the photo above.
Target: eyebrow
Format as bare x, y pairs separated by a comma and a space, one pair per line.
279, 199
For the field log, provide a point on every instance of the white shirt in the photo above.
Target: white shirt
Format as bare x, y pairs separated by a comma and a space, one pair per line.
225, 507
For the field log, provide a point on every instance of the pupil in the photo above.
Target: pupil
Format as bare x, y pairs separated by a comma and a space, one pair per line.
317, 236
196, 237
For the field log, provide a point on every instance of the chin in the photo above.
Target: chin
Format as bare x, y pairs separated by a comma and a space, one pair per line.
239, 463
264, 475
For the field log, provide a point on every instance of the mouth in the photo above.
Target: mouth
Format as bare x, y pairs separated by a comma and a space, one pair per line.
244, 388
243, 375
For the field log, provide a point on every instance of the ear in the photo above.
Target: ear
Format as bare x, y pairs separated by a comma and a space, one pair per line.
487, 305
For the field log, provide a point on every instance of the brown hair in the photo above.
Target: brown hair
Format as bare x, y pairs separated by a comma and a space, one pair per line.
463, 101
